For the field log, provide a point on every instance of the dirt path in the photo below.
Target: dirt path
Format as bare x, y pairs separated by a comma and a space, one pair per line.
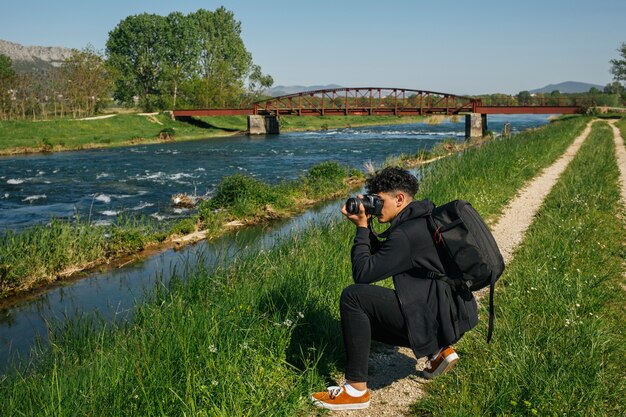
394, 379
620, 154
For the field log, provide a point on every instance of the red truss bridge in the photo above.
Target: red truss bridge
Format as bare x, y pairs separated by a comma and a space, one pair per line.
381, 101
370, 101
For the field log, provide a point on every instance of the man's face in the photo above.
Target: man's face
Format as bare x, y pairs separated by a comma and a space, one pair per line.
391, 205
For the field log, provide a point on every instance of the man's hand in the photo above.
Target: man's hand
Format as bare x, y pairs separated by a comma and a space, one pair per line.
360, 220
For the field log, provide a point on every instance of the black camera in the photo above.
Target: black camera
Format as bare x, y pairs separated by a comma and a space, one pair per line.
372, 203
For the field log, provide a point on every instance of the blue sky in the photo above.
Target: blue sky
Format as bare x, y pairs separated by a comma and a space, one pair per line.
453, 46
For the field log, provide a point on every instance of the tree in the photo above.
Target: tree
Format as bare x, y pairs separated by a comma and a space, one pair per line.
258, 83
614, 88
181, 52
85, 81
7, 79
136, 51
523, 98
619, 65
224, 59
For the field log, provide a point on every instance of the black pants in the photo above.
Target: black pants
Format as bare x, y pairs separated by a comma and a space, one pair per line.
369, 312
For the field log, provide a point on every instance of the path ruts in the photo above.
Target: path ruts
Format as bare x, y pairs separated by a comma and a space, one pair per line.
394, 379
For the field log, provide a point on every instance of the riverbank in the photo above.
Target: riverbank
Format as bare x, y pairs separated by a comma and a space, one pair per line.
58, 135
223, 341
65, 249
41, 255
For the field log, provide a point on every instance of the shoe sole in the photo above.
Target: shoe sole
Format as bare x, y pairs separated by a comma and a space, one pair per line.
339, 407
445, 367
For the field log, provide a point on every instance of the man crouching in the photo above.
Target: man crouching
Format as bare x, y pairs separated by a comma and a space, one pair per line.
421, 313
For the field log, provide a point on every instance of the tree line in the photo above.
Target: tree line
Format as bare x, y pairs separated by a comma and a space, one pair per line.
196, 60
152, 62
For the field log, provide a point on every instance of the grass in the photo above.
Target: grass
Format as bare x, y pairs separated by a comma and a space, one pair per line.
559, 343
67, 134
622, 127
253, 337
298, 123
42, 253
128, 129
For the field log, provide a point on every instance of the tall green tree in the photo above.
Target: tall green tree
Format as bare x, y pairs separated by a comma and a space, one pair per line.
136, 50
619, 65
181, 52
224, 60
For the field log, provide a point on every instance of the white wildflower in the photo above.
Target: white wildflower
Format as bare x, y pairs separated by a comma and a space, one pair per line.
212, 348
214, 382
287, 323
300, 314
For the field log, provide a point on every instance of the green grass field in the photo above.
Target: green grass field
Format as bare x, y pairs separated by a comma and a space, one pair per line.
559, 339
127, 129
67, 134
257, 335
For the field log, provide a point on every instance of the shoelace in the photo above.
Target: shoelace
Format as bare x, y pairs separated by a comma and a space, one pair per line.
334, 392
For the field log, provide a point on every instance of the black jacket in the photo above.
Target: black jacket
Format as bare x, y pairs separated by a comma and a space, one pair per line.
407, 254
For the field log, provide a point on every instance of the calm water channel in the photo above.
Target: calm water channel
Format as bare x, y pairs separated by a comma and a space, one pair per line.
141, 179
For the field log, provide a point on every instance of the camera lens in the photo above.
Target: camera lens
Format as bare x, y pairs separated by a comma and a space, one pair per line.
352, 205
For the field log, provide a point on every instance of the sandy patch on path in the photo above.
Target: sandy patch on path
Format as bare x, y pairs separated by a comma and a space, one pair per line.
394, 372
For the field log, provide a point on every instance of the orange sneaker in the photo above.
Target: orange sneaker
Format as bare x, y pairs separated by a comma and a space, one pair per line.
336, 398
445, 360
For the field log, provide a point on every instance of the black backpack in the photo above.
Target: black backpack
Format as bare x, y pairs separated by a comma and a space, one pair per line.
467, 249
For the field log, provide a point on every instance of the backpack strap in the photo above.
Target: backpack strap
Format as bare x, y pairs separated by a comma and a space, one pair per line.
491, 288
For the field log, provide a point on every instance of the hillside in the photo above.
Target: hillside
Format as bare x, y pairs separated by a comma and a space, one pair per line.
34, 58
568, 87
281, 90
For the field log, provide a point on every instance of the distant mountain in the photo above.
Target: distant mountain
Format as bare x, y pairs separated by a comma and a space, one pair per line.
568, 87
282, 90
34, 58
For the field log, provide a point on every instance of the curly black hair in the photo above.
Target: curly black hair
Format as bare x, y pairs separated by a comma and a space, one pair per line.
392, 179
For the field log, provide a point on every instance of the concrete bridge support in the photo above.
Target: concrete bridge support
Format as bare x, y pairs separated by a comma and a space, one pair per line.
263, 125
475, 125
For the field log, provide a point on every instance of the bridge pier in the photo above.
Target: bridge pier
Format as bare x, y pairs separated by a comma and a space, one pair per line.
475, 125
263, 125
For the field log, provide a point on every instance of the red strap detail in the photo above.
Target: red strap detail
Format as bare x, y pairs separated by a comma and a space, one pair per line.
438, 235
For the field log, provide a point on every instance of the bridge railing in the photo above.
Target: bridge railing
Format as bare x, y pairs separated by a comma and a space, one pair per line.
366, 100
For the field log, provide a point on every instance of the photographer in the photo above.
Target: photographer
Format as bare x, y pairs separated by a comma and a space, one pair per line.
421, 313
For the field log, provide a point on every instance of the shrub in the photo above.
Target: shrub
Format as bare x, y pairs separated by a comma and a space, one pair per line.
242, 195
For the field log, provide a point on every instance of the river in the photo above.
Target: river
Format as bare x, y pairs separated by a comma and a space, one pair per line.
99, 185
141, 179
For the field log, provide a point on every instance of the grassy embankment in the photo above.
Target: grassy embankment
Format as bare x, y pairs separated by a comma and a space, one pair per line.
66, 134
43, 253
64, 248
622, 127
130, 129
559, 340
256, 336
301, 123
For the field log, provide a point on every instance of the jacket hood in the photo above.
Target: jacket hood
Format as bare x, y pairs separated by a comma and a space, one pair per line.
413, 210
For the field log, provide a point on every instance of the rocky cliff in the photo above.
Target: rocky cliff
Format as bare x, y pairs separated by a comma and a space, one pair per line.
34, 58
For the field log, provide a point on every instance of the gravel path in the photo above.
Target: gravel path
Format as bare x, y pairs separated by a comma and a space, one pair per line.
394, 379
620, 153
